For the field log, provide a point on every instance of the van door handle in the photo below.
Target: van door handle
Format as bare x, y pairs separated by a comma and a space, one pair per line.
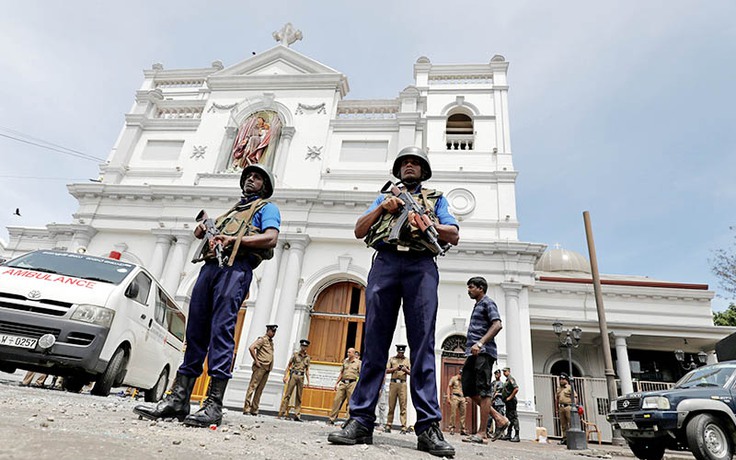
150, 323
143, 316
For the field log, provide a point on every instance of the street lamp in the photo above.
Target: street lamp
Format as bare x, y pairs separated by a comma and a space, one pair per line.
680, 357
570, 338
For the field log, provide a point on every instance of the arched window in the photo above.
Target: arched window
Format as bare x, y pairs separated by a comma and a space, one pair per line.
337, 322
459, 133
454, 346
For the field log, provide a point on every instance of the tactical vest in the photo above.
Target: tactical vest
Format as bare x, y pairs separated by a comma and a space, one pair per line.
233, 223
409, 236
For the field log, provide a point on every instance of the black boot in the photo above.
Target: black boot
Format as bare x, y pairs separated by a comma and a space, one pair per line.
352, 433
432, 441
210, 413
174, 404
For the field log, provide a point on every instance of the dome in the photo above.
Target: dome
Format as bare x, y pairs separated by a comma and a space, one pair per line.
563, 260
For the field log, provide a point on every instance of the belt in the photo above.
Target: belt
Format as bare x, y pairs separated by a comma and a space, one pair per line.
565, 405
410, 253
398, 381
298, 372
348, 380
457, 394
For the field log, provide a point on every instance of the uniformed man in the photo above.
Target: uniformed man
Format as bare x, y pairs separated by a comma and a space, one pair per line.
497, 401
564, 400
297, 368
510, 388
349, 373
398, 368
261, 350
457, 401
248, 232
403, 275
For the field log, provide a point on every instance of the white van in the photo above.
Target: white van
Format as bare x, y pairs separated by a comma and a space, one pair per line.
89, 319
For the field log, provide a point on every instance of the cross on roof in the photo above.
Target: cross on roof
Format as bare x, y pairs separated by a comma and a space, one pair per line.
287, 35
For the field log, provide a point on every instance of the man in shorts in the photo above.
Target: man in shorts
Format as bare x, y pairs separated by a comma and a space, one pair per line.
481, 354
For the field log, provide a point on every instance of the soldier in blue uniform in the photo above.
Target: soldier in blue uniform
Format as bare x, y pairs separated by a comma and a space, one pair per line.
248, 234
404, 273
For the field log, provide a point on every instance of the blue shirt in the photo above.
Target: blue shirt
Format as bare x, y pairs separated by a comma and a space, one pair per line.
268, 216
484, 313
441, 210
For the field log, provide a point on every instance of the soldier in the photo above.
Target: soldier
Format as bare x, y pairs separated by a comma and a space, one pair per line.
564, 399
297, 368
497, 398
345, 384
248, 232
262, 353
457, 401
510, 388
480, 355
399, 368
403, 275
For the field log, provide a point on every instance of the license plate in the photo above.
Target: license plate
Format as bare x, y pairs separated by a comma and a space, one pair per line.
627, 425
15, 341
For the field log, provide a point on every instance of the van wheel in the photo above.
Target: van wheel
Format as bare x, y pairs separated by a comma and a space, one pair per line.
104, 382
157, 392
73, 383
708, 439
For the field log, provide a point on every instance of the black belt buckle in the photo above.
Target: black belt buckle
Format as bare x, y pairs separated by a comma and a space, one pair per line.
348, 380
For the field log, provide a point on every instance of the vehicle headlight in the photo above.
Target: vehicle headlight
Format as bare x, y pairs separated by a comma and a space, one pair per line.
655, 402
93, 314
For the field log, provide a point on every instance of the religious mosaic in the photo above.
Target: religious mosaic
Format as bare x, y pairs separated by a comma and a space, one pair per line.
256, 140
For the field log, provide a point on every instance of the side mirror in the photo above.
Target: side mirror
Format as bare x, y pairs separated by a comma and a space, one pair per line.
132, 291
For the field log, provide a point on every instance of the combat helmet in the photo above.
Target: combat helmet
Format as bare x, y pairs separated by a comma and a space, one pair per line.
267, 178
415, 152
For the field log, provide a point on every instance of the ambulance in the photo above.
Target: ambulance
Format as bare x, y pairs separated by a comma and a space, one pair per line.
89, 319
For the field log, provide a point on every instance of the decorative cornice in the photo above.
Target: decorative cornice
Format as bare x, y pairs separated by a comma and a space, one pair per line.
485, 177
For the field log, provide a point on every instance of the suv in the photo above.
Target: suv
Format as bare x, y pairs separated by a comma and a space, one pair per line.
698, 413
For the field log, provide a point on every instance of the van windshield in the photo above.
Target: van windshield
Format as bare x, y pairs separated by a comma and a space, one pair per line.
76, 265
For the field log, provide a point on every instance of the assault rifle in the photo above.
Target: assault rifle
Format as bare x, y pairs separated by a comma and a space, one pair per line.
410, 205
210, 233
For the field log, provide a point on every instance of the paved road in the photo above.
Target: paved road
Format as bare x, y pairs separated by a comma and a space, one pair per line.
48, 424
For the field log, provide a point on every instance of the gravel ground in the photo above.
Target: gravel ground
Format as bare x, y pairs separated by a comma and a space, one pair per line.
47, 424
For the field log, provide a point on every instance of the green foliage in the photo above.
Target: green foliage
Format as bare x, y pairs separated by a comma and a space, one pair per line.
726, 317
723, 266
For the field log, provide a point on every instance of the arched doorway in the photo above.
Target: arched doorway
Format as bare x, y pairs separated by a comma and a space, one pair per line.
336, 324
563, 366
453, 358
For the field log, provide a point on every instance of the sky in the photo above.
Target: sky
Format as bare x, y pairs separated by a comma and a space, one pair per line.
623, 108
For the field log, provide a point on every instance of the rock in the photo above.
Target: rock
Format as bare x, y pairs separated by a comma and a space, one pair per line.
236, 433
225, 429
176, 442
227, 437
44, 425
50, 418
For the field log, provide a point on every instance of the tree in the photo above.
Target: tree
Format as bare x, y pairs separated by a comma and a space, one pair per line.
723, 266
726, 317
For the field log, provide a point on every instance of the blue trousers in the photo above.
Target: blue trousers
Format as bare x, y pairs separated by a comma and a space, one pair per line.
397, 279
213, 312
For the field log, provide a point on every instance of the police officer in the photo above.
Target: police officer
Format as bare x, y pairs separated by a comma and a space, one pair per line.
398, 367
345, 384
404, 274
510, 388
564, 399
457, 401
248, 232
297, 368
261, 350
498, 404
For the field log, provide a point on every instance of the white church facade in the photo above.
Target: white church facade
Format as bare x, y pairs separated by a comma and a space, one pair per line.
189, 131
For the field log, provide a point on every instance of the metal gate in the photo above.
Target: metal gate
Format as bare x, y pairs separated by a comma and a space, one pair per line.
592, 394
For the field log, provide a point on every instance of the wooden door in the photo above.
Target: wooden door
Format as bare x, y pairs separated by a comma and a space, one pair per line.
450, 367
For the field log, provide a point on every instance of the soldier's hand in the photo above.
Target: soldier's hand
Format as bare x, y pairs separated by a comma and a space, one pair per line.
420, 221
224, 240
285, 379
256, 364
392, 204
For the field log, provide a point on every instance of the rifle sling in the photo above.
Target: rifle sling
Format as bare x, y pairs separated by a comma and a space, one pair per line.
246, 221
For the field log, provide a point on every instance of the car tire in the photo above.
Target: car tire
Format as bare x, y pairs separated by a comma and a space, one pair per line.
157, 392
104, 382
647, 450
708, 438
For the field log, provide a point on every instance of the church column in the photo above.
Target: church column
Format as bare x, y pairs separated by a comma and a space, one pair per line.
623, 367
176, 260
279, 167
289, 290
82, 236
518, 343
264, 301
160, 252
